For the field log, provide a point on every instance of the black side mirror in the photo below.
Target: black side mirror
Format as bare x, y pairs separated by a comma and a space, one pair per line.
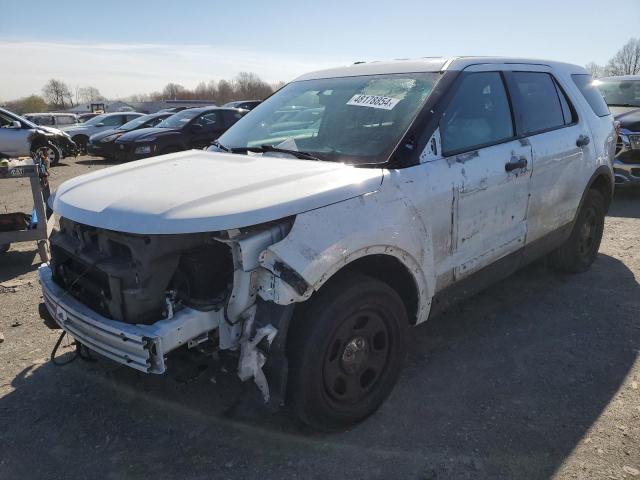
196, 128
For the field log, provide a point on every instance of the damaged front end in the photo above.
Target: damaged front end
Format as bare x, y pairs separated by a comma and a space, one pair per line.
134, 298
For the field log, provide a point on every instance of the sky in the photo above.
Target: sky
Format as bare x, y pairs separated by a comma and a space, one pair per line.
138, 46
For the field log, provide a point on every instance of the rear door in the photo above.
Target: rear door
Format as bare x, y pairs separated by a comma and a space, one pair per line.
490, 170
546, 117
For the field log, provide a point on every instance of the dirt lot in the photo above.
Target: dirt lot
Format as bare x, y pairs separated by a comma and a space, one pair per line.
537, 377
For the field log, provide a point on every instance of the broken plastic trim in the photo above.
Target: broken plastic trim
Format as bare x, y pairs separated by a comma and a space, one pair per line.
291, 277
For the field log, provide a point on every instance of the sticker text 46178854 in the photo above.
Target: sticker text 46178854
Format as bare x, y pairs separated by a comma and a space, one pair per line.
373, 101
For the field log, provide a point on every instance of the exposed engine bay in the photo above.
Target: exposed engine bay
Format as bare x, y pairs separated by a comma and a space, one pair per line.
172, 290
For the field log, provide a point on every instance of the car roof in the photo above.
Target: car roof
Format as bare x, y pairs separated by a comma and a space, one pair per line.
620, 77
430, 64
110, 114
42, 114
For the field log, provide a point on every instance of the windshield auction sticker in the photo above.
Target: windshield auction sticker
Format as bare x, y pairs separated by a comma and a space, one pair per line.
373, 101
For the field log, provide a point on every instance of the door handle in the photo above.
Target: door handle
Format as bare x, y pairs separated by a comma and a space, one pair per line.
582, 141
515, 163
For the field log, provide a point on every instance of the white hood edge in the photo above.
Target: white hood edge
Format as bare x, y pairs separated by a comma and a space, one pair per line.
198, 191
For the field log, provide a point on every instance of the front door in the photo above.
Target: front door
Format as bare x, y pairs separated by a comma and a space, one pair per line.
490, 171
205, 129
14, 142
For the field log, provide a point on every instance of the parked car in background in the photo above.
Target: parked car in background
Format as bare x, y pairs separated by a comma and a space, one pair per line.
622, 95
311, 254
103, 144
244, 104
190, 128
20, 137
83, 117
172, 110
57, 120
80, 133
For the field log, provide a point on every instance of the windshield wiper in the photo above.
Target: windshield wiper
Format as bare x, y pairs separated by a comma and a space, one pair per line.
295, 153
266, 148
623, 105
222, 147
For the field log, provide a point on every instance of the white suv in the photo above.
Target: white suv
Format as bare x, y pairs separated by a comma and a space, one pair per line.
310, 247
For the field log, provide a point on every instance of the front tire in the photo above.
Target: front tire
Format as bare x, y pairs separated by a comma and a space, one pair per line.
581, 248
346, 352
81, 143
51, 151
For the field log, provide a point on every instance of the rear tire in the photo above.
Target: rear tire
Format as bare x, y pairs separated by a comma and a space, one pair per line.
581, 248
346, 351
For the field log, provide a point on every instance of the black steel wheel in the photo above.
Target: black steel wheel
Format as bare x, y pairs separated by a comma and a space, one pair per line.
581, 248
346, 352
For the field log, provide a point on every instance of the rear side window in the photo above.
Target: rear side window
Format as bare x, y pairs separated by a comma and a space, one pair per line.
541, 103
478, 115
591, 94
66, 120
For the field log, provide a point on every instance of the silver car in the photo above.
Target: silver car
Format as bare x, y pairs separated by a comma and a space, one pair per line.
80, 133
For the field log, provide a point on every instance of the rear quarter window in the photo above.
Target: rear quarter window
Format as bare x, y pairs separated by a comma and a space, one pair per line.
592, 95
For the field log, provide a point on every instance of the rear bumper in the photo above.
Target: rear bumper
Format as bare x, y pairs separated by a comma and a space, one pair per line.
142, 347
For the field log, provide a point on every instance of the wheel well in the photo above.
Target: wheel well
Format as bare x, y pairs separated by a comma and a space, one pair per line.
603, 185
391, 271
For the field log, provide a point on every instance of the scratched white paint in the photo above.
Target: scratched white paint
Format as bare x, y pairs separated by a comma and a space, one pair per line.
442, 219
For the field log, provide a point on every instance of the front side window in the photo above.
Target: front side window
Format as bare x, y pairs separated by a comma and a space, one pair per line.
355, 120
207, 121
620, 93
478, 114
539, 102
44, 120
179, 119
592, 95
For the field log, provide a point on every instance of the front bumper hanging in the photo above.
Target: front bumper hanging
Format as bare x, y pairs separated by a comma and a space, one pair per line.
142, 347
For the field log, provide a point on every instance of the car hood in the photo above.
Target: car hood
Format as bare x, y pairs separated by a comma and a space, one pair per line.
76, 129
100, 135
144, 133
629, 119
198, 191
52, 130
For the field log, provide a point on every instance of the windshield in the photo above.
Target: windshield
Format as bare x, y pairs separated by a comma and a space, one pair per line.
136, 122
180, 119
356, 120
620, 93
95, 120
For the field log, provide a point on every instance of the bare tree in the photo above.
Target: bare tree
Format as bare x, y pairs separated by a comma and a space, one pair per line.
89, 95
595, 70
249, 86
57, 93
627, 60
206, 91
173, 90
226, 92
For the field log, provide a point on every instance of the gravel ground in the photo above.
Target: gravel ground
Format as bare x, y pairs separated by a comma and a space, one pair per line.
537, 377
